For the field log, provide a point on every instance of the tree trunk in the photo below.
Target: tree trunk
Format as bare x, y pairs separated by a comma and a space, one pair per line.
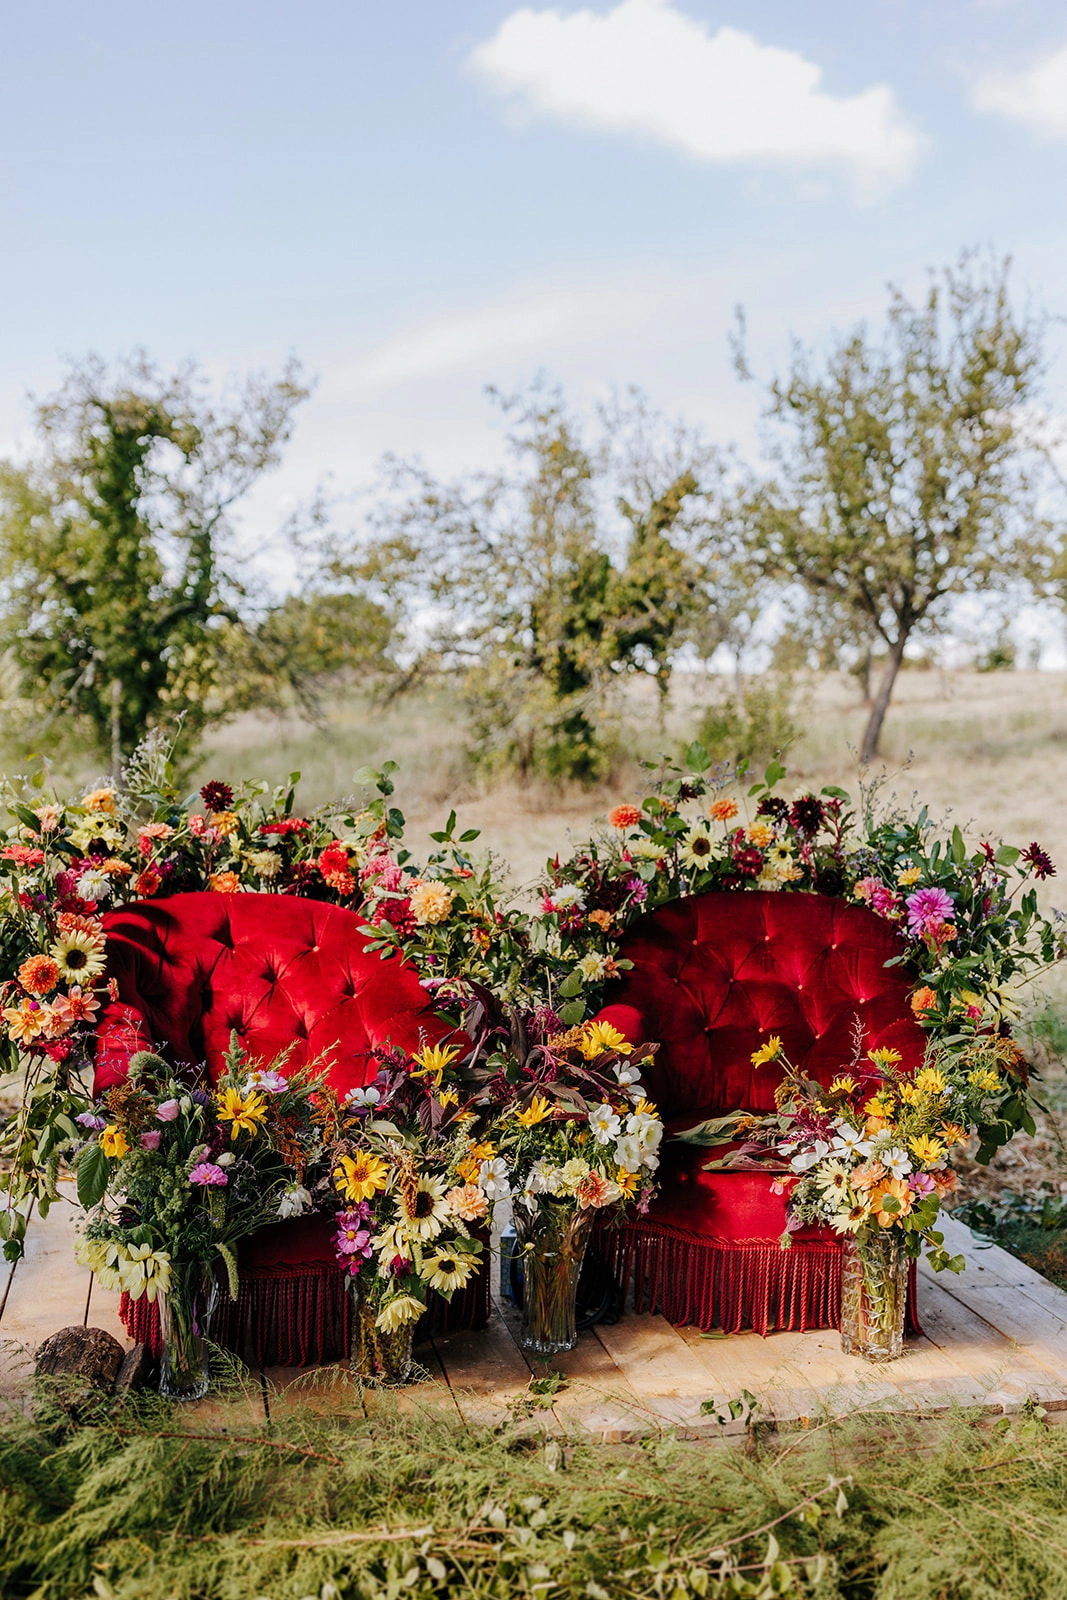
873, 731
116, 729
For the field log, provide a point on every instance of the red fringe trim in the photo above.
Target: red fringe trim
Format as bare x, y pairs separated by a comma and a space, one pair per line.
699, 1282
299, 1316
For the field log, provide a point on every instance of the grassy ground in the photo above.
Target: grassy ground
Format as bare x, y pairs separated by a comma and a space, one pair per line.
143, 1505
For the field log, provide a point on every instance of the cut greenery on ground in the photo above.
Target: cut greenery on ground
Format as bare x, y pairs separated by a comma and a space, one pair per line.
146, 1504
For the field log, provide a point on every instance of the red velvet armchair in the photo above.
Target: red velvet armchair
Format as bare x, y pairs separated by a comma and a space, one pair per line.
281, 971
713, 977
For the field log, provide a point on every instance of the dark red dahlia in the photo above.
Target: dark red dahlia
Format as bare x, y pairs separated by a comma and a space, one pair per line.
1040, 860
807, 814
749, 863
772, 806
216, 796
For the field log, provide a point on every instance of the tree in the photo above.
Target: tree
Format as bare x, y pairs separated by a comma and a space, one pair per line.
122, 598
543, 584
913, 472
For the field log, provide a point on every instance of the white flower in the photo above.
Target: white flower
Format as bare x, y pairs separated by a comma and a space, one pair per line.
564, 1180
626, 1074
294, 1202
646, 1127
269, 1082
895, 1161
568, 894
369, 1096
649, 850
628, 1154
604, 1123
849, 1140
226, 1159
94, 884
493, 1179
265, 863
810, 1158
537, 1179
591, 967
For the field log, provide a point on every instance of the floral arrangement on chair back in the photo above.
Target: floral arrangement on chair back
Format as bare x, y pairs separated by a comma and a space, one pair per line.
175, 1175
869, 1155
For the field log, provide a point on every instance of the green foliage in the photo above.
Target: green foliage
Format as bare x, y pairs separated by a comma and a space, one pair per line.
911, 473
753, 727
123, 600
147, 1506
550, 581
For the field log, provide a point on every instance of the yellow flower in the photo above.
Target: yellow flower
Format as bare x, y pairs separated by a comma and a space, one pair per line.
883, 1056
930, 1080
79, 956
361, 1176
927, 1149
909, 1094
952, 1133
113, 1141
909, 875
100, 800
244, 1112
881, 1105
600, 1036
759, 834
143, 1271
844, 1084
467, 1169
481, 1149
447, 1097
627, 1181
395, 1312
430, 903
433, 1060
984, 1078
767, 1052
538, 1109
644, 1108
448, 1270
225, 823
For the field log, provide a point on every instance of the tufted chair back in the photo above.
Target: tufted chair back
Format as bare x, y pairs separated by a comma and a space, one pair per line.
279, 969
715, 975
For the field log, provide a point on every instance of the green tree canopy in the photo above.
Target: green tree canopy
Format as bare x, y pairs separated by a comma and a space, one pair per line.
912, 470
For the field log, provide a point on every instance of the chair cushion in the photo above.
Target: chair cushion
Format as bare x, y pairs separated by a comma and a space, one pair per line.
715, 975
279, 969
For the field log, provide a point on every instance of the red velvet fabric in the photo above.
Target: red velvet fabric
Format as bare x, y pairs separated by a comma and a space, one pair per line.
713, 977
283, 971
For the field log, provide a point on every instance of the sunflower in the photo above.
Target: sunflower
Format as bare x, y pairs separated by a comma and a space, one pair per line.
395, 1312
428, 1212
697, 849
79, 956
361, 1176
883, 1056
448, 1270
244, 1112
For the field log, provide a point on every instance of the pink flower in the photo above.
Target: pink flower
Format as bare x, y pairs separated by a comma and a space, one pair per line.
928, 906
167, 1111
208, 1173
197, 824
884, 901
922, 1183
150, 1140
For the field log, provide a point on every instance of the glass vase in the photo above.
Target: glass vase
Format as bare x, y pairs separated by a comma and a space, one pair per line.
376, 1356
552, 1247
185, 1312
874, 1295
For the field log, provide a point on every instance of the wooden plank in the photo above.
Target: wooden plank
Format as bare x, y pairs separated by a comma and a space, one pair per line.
797, 1377
596, 1398
1024, 1321
486, 1371
1006, 1371
661, 1369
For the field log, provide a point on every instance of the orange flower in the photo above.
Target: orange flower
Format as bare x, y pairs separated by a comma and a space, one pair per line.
224, 882
100, 800
601, 919
923, 999
115, 868
73, 922
148, 882
624, 816
866, 1176
27, 1021
38, 974
894, 1189
723, 810
76, 1006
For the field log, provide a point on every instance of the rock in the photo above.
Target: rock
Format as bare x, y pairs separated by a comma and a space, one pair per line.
138, 1371
86, 1353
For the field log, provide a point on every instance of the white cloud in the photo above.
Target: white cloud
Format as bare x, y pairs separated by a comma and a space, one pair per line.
1037, 97
649, 69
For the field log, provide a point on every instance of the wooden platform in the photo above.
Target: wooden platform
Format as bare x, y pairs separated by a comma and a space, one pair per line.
995, 1336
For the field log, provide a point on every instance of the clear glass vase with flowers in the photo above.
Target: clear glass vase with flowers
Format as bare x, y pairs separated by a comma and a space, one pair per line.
399, 1163
175, 1174
574, 1141
869, 1156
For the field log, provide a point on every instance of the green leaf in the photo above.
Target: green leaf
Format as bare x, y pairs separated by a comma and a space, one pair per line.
573, 1013
571, 985
834, 793
959, 848
92, 1172
697, 757
471, 833
26, 816
1007, 855
774, 774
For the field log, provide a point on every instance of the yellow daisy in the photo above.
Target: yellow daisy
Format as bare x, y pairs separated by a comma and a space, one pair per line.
361, 1176
767, 1052
600, 1036
244, 1112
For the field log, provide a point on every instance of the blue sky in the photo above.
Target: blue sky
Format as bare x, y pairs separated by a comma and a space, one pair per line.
421, 198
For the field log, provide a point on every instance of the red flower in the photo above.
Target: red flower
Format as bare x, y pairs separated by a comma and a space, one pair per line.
147, 883
23, 855
749, 863
1041, 862
286, 825
217, 796
624, 816
333, 864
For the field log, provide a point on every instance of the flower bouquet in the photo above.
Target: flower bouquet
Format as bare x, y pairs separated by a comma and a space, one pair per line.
869, 1156
401, 1156
175, 1176
574, 1139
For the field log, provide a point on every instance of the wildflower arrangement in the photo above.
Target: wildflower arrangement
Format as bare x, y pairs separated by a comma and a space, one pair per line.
872, 1152
177, 1174
400, 1157
573, 1130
